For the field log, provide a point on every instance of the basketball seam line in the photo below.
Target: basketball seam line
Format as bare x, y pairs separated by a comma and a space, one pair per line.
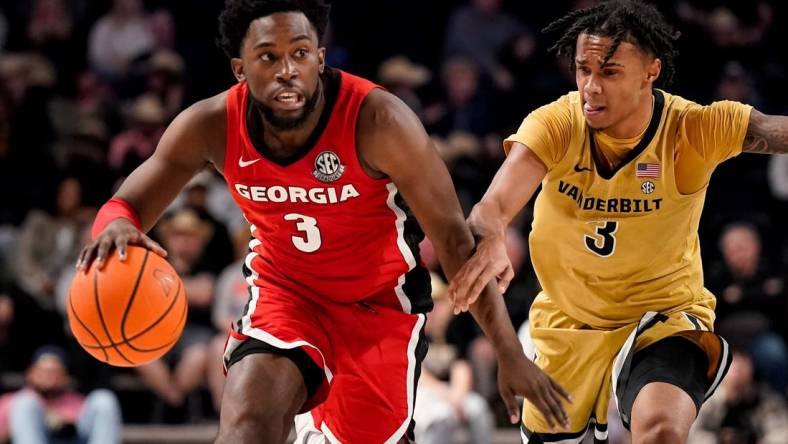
131, 298
101, 315
127, 340
74, 312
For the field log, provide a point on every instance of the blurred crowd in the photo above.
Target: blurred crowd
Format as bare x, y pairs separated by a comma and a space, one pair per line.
87, 88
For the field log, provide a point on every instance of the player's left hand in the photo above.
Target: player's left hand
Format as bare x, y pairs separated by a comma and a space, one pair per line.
517, 376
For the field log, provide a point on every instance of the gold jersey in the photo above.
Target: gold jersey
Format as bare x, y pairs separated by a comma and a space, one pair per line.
612, 243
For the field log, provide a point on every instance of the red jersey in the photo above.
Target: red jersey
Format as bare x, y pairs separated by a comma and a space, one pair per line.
321, 227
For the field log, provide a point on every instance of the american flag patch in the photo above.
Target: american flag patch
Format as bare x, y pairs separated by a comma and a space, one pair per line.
647, 170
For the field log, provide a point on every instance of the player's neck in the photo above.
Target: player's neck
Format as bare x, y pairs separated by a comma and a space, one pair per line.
289, 141
635, 124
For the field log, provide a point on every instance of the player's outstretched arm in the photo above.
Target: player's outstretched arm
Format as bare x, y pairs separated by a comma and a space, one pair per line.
188, 144
392, 142
766, 134
510, 190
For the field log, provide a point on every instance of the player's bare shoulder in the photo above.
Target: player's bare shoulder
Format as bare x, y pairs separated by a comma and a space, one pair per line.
385, 123
383, 110
200, 130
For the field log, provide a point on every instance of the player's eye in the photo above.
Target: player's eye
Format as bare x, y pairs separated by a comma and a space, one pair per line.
267, 57
301, 53
584, 70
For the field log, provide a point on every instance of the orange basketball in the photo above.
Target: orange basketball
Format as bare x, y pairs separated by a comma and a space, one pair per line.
129, 313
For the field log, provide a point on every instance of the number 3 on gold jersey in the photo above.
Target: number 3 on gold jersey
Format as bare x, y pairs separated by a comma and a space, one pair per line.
604, 242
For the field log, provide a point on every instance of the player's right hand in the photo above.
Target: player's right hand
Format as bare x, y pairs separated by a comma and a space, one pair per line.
519, 376
489, 261
120, 233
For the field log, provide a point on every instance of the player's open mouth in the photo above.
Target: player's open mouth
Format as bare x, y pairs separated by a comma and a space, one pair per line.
289, 100
592, 110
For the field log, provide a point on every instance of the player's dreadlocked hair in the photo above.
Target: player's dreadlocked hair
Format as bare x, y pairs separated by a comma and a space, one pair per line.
622, 20
238, 14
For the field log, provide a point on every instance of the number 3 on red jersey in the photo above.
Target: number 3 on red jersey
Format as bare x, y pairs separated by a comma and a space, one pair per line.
310, 241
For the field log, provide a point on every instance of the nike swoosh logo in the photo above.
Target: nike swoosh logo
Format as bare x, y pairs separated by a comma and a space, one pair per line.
580, 169
245, 163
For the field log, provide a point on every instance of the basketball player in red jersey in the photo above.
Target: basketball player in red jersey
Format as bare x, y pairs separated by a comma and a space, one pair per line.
322, 164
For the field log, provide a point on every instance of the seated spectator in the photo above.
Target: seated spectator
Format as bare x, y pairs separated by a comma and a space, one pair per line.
481, 31
165, 80
49, 20
402, 78
445, 400
79, 138
118, 37
47, 410
48, 243
139, 71
96, 100
751, 304
465, 107
83, 121
741, 411
51, 31
146, 125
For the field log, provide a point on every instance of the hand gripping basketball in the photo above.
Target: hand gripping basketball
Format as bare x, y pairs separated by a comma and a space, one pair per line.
118, 234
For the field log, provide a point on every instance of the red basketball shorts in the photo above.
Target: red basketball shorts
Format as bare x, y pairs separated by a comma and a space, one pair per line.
370, 353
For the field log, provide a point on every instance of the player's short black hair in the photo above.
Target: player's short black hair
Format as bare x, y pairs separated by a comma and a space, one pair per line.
238, 14
631, 21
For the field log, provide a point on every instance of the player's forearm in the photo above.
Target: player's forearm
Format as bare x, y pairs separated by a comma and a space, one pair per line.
453, 246
489, 310
453, 242
152, 187
487, 220
491, 315
512, 187
766, 134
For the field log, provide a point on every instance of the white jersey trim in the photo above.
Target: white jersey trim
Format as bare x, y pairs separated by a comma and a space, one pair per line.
411, 384
254, 242
403, 246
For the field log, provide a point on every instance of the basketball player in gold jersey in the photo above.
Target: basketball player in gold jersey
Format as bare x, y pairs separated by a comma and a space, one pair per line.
624, 168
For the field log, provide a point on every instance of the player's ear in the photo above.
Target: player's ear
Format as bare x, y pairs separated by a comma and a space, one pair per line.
653, 69
321, 59
237, 65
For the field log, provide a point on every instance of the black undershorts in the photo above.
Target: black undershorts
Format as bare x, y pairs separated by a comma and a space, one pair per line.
313, 375
674, 360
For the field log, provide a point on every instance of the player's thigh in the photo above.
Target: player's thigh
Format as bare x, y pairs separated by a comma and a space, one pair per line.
662, 413
277, 358
262, 394
668, 382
